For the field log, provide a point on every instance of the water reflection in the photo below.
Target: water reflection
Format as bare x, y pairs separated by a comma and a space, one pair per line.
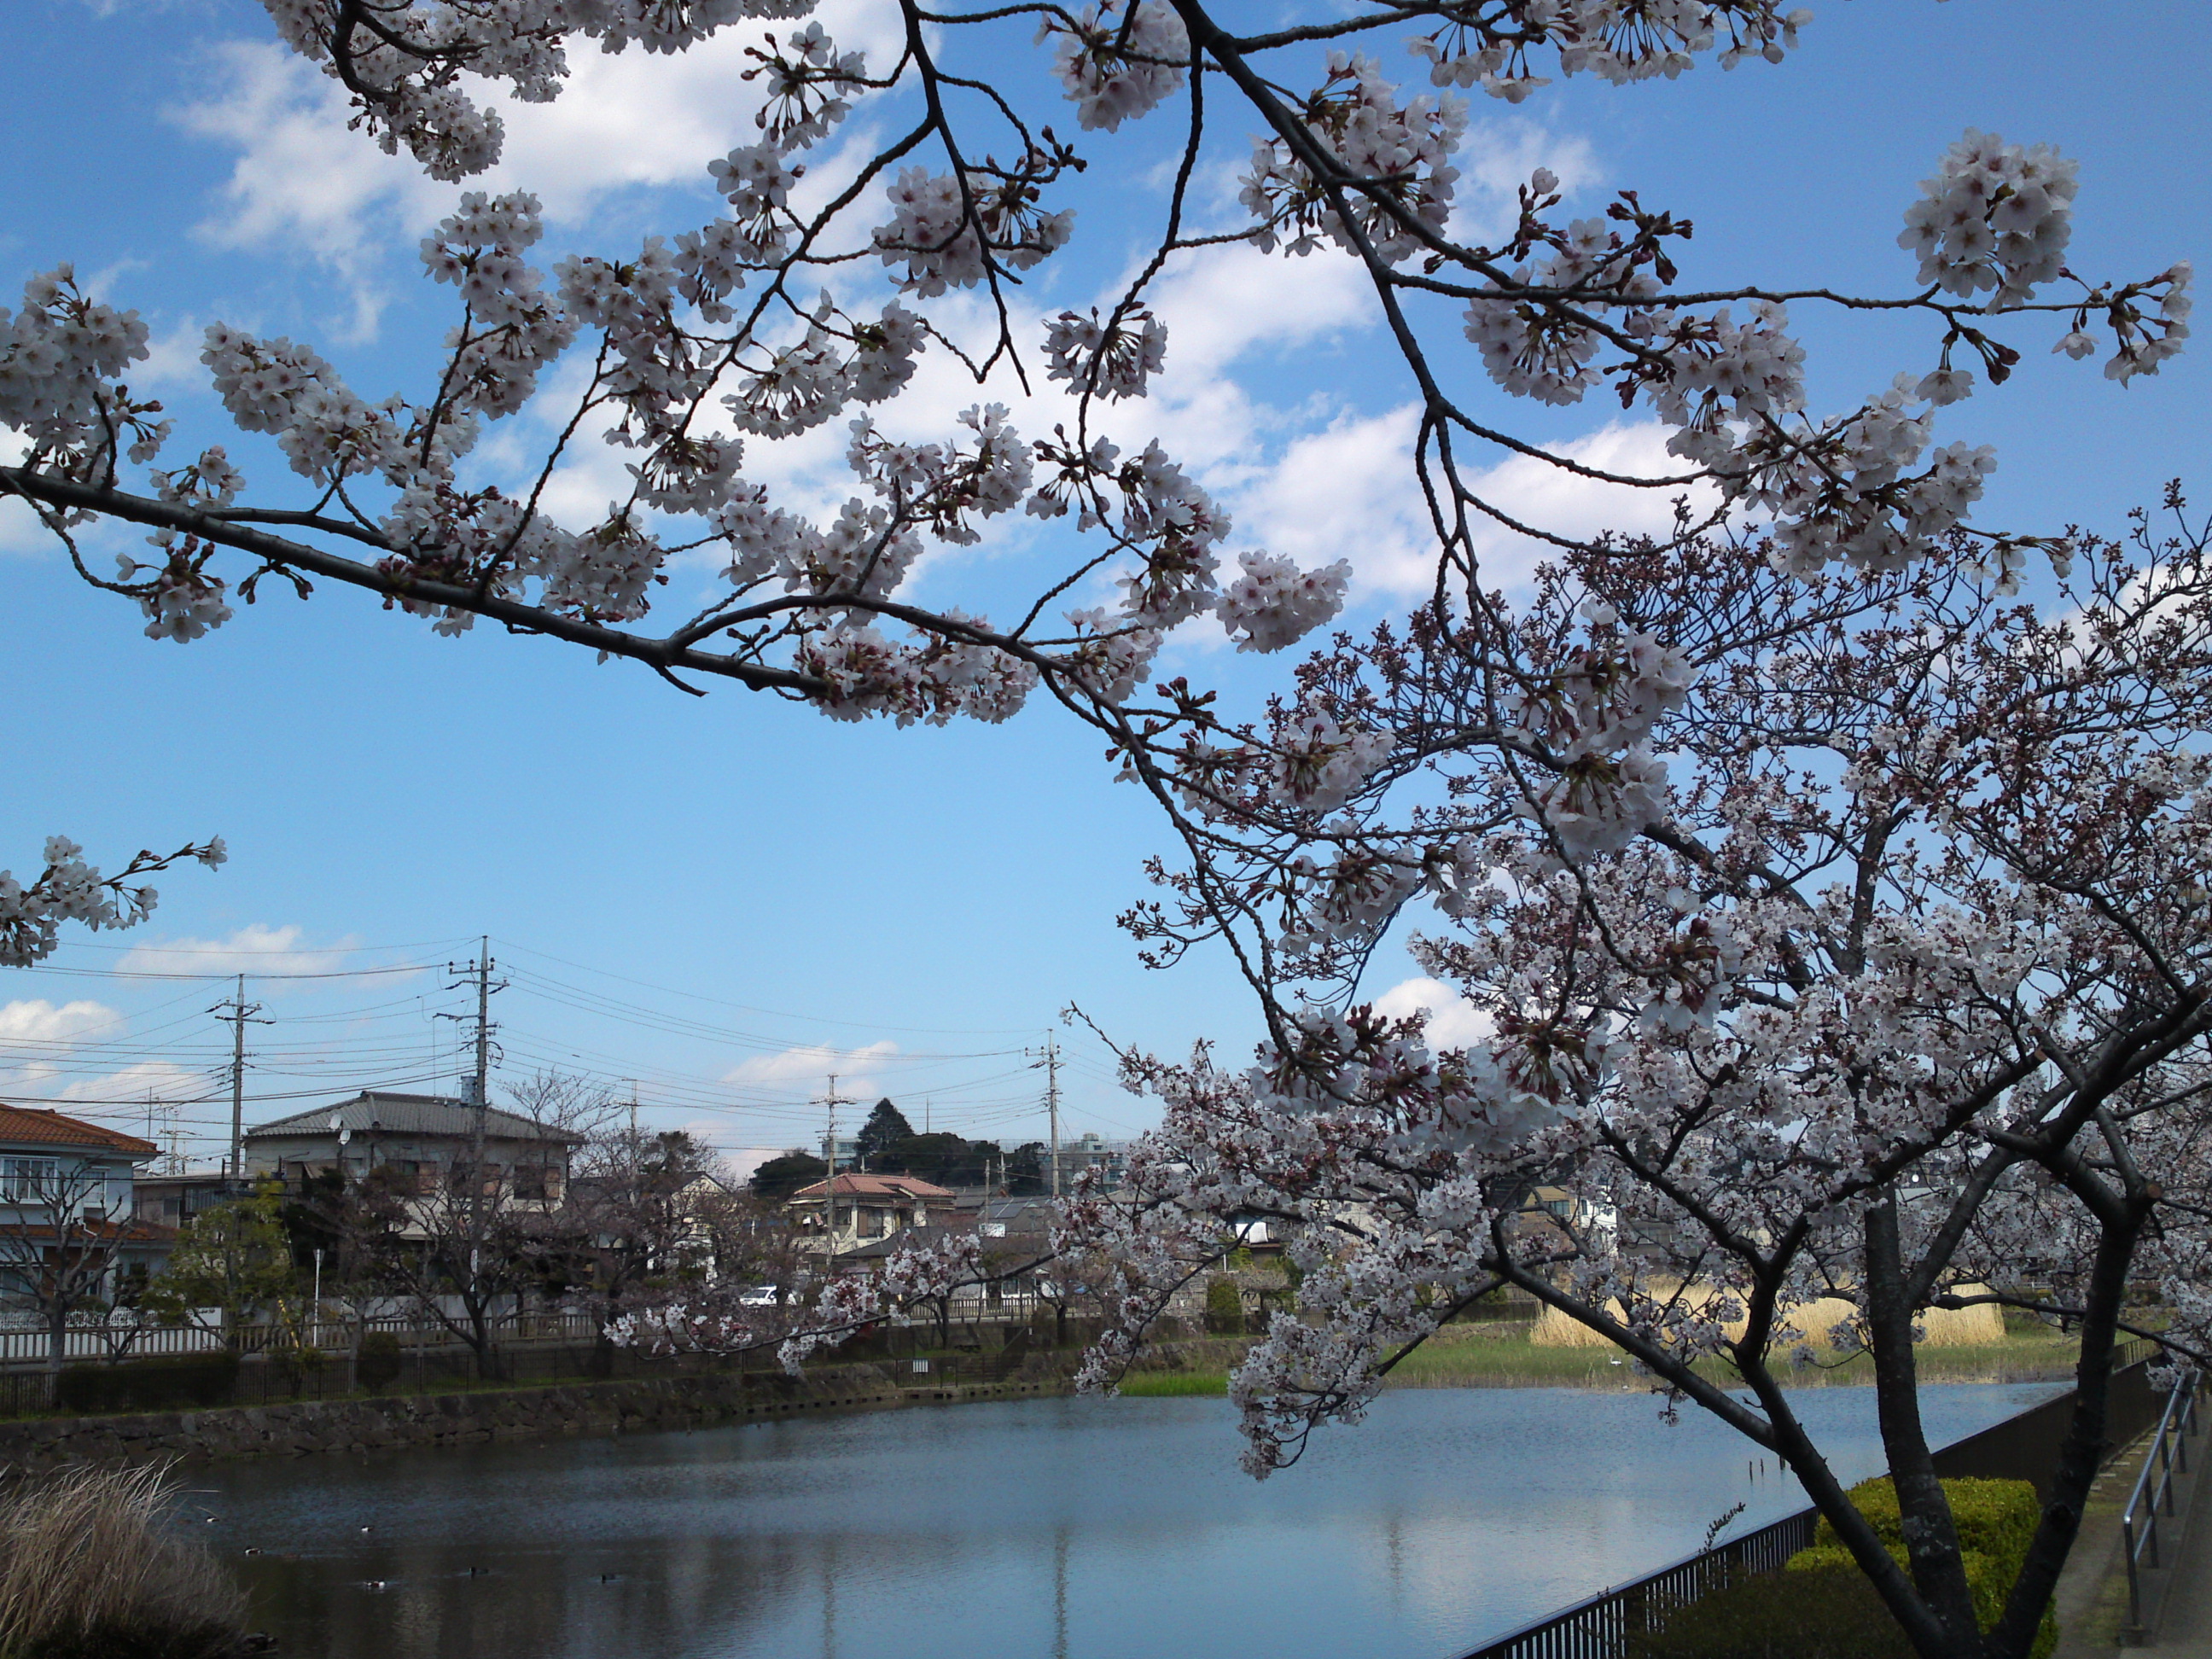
1071, 1529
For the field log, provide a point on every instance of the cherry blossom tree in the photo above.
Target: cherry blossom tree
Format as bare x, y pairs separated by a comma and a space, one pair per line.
1833, 906
1839, 936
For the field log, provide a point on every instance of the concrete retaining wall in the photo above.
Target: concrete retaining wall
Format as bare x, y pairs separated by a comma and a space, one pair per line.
580, 1408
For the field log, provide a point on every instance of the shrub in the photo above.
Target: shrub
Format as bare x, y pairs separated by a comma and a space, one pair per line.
88, 1570
1826, 1613
148, 1385
378, 1367
1995, 1518
1225, 1307
1822, 1607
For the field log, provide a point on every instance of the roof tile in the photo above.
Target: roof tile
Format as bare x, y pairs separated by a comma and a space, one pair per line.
35, 1125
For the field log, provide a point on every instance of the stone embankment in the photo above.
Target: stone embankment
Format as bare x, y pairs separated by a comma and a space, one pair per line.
384, 1421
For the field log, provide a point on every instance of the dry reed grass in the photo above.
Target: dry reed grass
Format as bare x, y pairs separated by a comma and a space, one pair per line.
1947, 1327
89, 1568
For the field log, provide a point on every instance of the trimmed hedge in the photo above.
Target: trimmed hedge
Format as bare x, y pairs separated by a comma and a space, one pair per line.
1225, 1307
1822, 1607
1826, 1613
148, 1385
1995, 1518
378, 1366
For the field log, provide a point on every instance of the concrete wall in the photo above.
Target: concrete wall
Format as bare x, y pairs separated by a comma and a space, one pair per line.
396, 1420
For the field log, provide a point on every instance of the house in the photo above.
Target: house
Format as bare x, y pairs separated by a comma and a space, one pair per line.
1090, 1152
171, 1200
866, 1207
424, 1144
66, 1201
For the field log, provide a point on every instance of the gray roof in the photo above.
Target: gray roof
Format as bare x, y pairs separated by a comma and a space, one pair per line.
376, 1110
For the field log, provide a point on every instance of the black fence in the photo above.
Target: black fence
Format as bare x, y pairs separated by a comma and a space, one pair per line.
2021, 1448
2026, 1447
1600, 1627
986, 1353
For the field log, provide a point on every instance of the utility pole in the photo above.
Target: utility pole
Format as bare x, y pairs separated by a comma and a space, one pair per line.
833, 1100
239, 1016
480, 1081
1048, 1058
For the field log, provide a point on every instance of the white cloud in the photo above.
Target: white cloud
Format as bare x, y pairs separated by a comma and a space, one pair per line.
1453, 1022
20, 529
813, 1064
622, 121
252, 950
1310, 476
159, 1078
1496, 160
43, 1021
1349, 491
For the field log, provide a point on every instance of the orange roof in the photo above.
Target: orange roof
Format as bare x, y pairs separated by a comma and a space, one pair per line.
40, 1127
868, 1186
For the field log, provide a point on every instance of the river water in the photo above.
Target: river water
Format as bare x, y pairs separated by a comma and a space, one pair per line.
1050, 1529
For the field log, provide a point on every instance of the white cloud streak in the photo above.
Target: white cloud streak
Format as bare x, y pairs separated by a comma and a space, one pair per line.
1453, 1022
254, 950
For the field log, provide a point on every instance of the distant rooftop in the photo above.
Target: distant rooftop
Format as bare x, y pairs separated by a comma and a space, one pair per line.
38, 1126
888, 1186
377, 1111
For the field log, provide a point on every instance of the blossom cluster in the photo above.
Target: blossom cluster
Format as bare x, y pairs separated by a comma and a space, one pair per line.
60, 356
1398, 148
951, 230
1116, 359
1995, 218
1618, 44
1116, 68
69, 889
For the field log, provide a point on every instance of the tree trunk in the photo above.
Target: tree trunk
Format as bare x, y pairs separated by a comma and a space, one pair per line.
56, 1345
1939, 1573
2084, 1448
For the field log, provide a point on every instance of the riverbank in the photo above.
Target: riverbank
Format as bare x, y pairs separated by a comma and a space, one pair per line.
1496, 1355
1499, 1355
487, 1413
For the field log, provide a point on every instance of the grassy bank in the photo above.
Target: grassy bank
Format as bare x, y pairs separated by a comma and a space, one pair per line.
92, 1567
1161, 1385
1488, 1360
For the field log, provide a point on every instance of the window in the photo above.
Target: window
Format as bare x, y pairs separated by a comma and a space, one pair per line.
30, 1180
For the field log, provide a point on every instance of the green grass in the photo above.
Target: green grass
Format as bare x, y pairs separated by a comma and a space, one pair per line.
1515, 1363
1162, 1385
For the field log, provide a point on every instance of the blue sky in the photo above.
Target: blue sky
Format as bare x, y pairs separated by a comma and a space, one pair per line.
725, 898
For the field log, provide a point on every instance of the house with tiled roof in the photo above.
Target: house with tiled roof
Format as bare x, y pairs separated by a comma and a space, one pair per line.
864, 1208
66, 1207
422, 1145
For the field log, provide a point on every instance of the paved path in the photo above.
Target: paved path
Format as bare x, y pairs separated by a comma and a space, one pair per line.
2184, 1628
2091, 1598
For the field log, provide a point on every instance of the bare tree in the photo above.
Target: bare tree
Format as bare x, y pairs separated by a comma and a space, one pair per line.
60, 1251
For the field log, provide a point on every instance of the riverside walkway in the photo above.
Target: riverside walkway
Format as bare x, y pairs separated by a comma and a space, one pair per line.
2185, 1627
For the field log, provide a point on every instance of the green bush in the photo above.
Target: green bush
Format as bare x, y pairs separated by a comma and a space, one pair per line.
1996, 1522
149, 1385
1827, 1612
1995, 1518
1822, 1607
1225, 1307
378, 1368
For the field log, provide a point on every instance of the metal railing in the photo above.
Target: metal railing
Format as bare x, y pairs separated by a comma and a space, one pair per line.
24, 1347
1600, 1627
2153, 1497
